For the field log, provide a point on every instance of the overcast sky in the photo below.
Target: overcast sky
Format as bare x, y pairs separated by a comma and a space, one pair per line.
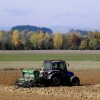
77, 13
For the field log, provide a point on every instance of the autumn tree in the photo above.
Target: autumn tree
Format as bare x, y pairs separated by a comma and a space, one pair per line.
58, 40
96, 35
98, 44
74, 41
16, 38
65, 44
89, 35
40, 39
23, 38
94, 41
93, 44
8, 40
1, 38
28, 42
46, 40
84, 44
1, 35
34, 40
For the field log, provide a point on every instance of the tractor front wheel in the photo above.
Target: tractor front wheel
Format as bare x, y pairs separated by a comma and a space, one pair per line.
75, 81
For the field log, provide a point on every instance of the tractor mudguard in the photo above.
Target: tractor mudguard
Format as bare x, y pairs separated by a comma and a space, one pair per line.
52, 74
70, 74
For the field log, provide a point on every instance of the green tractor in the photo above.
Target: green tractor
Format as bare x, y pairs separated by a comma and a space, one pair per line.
53, 72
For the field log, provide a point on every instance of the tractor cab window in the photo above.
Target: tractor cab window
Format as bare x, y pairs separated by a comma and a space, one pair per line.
62, 66
55, 66
47, 66
59, 66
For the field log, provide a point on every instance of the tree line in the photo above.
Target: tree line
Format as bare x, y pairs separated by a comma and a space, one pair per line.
31, 40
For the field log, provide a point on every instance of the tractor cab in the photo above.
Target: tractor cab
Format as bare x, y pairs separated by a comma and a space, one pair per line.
54, 65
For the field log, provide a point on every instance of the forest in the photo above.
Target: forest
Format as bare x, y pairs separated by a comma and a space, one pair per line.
38, 40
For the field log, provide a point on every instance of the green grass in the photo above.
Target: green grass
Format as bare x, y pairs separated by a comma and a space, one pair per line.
41, 57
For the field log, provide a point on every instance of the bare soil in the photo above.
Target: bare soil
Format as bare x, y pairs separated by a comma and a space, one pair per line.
50, 51
89, 89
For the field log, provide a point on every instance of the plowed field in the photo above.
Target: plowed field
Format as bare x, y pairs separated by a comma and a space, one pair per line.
89, 89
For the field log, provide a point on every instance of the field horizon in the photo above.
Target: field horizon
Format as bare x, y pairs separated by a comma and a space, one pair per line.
50, 51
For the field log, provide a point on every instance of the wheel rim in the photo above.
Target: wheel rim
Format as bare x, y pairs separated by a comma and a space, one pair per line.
27, 84
75, 82
56, 81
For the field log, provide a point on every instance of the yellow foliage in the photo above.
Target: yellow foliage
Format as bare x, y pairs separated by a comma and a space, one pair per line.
34, 39
40, 35
1, 35
46, 36
73, 38
96, 35
40, 39
58, 40
46, 40
83, 44
16, 38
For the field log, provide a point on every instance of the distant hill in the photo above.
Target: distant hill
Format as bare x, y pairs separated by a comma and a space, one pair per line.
32, 28
66, 29
83, 32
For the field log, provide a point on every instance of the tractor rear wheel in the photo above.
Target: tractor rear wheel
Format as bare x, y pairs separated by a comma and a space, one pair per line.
56, 80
